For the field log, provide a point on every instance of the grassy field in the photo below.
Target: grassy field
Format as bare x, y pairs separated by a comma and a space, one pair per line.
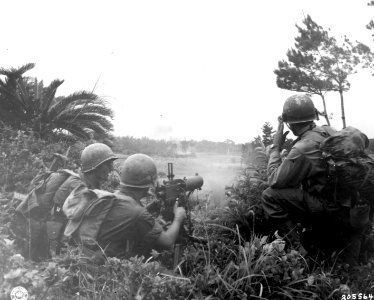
217, 170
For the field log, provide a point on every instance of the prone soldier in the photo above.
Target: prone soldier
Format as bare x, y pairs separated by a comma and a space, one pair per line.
118, 224
40, 214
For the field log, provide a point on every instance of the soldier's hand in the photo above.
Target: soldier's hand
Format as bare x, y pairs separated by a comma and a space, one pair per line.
284, 154
179, 212
279, 137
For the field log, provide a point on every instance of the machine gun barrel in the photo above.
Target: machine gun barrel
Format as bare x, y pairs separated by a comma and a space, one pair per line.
194, 183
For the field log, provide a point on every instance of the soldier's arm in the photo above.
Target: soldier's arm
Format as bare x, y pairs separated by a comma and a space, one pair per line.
290, 172
167, 238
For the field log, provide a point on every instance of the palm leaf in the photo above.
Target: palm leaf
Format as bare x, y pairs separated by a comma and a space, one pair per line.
9, 96
24, 95
96, 108
77, 111
49, 95
16, 72
90, 117
96, 127
84, 125
78, 131
76, 98
80, 114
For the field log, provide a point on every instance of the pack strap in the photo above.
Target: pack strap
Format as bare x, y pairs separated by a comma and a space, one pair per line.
369, 169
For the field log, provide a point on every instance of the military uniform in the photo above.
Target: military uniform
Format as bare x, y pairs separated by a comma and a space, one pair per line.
39, 219
297, 183
301, 193
129, 229
116, 223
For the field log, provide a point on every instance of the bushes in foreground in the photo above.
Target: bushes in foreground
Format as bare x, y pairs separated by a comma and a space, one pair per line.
23, 156
239, 260
225, 268
229, 266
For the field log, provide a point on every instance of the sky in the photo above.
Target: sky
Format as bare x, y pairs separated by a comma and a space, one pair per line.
182, 69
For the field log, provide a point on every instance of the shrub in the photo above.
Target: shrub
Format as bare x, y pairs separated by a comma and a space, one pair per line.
23, 156
237, 262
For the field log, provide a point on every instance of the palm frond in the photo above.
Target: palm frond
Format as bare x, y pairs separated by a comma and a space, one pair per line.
77, 98
49, 95
17, 72
82, 114
78, 131
8, 93
24, 95
101, 109
86, 119
97, 128
103, 127
75, 112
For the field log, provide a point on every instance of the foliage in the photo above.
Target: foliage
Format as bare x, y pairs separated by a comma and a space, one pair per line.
319, 63
185, 145
25, 104
261, 143
130, 145
267, 134
224, 269
217, 147
23, 156
73, 276
370, 25
238, 261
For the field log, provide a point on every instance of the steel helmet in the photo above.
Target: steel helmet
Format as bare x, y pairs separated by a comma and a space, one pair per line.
94, 155
138, 170
298, 109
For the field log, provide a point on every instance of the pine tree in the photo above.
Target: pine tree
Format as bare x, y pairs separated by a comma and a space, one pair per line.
267, 134
320, 64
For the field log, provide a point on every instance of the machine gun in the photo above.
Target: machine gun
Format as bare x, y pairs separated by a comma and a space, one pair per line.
173, 190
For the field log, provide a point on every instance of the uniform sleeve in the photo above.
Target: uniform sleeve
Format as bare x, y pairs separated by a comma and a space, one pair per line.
148, 227
289, 173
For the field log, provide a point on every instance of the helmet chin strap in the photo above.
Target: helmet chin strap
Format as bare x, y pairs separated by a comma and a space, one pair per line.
317, 114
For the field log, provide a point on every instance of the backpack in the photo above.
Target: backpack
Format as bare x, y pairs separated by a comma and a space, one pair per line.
39, 220
86, 211
350, 170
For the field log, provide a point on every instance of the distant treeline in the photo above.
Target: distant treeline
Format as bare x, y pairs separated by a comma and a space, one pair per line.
130, 145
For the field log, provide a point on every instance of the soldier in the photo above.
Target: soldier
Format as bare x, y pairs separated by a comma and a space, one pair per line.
97, 162
297, 184
300, 190
41, 211
118, 223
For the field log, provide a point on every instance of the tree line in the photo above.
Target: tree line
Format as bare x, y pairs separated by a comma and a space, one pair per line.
128, 145
320, 63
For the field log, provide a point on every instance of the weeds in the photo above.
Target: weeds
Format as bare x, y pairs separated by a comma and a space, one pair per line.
239, 261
